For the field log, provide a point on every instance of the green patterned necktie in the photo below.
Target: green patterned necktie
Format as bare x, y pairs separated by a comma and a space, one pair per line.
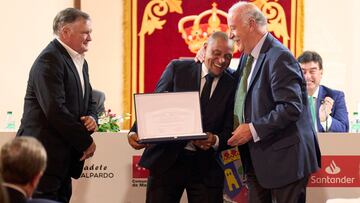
312, 110
241, 92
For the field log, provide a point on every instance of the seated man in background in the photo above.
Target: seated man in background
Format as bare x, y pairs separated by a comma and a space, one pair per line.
327, 105
98, 98
22, 161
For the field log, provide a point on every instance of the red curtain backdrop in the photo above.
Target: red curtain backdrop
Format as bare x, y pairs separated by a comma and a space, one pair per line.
153, 39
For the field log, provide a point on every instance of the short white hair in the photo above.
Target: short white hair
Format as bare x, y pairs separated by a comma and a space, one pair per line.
249, 11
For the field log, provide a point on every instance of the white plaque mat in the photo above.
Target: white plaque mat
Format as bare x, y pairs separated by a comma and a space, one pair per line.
169, 116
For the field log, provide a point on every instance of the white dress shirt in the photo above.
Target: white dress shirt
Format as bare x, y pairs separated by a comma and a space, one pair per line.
204, 72
78, 60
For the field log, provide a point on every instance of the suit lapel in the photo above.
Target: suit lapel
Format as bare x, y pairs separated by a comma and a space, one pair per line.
262, 55
86, 86
321, 96
257, 67
69, 61
197, 75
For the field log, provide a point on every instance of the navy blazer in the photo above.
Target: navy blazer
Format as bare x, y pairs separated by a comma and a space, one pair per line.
54, 103
276, 104
339, 113
185, 75
17, 197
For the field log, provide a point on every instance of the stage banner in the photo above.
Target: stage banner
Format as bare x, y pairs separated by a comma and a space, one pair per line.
337, 171
157, 31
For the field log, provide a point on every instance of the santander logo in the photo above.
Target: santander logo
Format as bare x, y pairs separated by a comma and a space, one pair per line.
332, 168
337, 171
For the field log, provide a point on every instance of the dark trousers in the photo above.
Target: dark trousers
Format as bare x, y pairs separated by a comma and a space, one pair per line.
185, 174
54, 188
292, 193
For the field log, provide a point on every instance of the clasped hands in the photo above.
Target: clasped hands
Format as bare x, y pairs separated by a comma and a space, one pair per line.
325, 108
89, 123
206, 143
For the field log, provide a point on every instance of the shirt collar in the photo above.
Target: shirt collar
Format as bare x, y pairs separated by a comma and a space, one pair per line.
256, 51
204, 70
316, 93
71, 51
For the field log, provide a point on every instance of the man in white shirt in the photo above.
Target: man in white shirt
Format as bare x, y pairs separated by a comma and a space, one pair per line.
58, 108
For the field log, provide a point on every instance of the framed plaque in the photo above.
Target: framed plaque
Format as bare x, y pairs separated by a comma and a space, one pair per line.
168, 116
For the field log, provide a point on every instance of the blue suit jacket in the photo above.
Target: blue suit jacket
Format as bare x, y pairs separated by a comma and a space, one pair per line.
185, 75
276, 104
339, 113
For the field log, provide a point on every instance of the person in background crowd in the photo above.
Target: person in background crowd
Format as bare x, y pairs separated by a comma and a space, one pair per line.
98, 98
328, 107
22, 161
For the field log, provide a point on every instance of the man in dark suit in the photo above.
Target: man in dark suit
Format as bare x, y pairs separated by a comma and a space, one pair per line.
329, 109
192, 165
58, 107
278, 146
22, 161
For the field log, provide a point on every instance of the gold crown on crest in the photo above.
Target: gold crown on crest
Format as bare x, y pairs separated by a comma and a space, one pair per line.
197, 34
